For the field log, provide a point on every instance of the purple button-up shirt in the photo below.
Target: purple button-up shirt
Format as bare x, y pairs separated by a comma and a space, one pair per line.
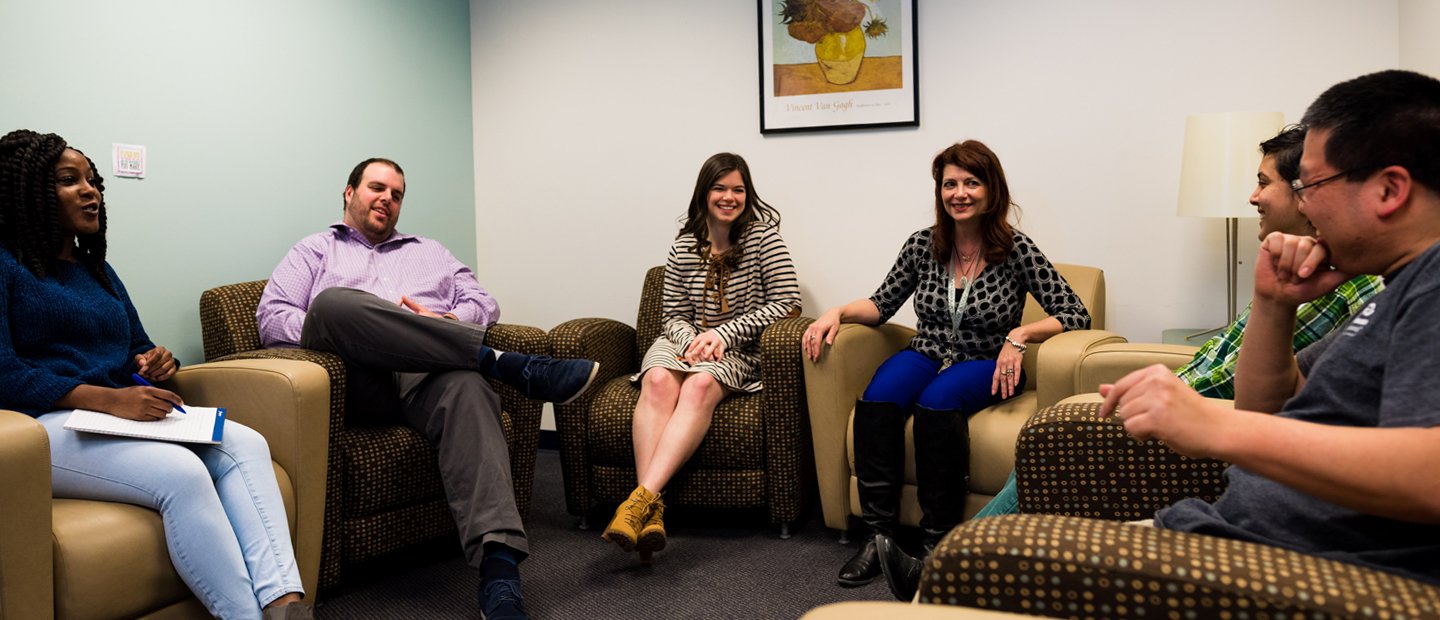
403, 265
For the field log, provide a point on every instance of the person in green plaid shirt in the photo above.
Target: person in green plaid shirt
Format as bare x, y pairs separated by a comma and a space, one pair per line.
1212, 371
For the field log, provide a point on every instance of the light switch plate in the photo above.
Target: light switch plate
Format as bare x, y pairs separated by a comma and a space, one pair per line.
129, 160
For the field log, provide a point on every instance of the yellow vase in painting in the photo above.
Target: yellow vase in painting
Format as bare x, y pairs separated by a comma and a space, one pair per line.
839, 54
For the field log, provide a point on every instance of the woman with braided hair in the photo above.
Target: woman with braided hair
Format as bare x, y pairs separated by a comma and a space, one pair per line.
71, 339
727, 278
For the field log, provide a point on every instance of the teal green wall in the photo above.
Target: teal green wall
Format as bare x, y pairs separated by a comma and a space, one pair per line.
253, 114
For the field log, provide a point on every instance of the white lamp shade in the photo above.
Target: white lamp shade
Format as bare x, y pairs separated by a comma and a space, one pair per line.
1222, 154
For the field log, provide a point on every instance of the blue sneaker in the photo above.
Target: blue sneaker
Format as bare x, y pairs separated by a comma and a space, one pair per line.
500, 599
541, 377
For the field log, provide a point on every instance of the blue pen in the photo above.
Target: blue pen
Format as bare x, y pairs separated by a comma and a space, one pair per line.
139, 380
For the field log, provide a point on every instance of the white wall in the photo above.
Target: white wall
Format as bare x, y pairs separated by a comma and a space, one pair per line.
1419, 47
253, 114
591, 120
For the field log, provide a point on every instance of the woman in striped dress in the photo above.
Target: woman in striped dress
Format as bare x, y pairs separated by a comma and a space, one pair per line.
727, 278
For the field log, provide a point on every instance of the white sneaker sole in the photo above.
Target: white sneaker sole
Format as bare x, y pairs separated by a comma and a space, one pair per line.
594, 370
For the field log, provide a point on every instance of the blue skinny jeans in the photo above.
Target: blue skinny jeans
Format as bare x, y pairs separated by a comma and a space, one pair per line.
910, 378
225, 523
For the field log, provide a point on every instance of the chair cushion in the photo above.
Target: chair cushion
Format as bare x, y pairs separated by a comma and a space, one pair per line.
111, 560
735, 441
727, 471
992, 443
392, 467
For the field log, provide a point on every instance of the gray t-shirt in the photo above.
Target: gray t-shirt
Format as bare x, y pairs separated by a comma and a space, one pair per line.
1378, 371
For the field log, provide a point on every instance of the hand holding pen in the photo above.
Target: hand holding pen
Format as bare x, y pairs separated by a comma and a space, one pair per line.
139, 380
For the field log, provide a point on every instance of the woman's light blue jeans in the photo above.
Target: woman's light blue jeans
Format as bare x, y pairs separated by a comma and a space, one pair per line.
224, 520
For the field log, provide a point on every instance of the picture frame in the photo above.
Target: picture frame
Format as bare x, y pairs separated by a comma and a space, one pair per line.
837, 64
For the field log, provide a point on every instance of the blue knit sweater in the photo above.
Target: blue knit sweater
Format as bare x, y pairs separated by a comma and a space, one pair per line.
62, 331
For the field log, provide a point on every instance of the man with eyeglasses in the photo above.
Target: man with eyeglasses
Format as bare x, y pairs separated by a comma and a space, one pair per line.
1347, 467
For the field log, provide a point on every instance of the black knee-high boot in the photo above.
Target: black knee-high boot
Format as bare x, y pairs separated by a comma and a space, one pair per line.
942, 475
880, 471
942, 470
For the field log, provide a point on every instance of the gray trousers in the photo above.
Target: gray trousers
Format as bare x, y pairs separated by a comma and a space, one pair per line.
426, 371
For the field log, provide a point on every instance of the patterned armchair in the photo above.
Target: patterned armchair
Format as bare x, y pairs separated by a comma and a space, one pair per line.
1073, 463
383, 484
755, 454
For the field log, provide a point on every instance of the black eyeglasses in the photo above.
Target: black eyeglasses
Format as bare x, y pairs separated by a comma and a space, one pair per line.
1299, 186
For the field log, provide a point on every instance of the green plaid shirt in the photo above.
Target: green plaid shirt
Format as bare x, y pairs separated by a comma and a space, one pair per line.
1212, 371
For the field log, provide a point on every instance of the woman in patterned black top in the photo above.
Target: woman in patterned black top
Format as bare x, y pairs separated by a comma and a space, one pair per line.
969, 274
728, 277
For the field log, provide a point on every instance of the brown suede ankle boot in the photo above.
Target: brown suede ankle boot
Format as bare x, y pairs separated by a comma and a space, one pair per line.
630, 517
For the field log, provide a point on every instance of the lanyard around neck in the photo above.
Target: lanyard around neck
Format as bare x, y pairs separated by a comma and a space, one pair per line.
957, 310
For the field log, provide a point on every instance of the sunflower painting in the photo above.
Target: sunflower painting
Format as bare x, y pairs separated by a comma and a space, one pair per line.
830, 46
837, 64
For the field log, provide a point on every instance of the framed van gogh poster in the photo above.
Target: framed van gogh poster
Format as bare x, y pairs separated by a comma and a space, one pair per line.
837, 64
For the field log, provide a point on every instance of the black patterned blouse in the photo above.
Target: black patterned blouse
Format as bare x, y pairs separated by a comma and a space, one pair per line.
995, 305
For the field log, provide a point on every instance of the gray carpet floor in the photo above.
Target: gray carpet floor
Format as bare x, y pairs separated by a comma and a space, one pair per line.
715, 566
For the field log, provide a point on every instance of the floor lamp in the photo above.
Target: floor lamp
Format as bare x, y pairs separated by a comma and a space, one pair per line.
1217, 176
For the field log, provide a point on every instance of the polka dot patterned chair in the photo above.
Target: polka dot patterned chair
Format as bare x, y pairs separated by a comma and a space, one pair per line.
833, 384
383, 484
1080, 560
754, 456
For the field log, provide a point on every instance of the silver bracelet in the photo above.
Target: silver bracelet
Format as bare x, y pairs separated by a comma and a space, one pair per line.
1017, 345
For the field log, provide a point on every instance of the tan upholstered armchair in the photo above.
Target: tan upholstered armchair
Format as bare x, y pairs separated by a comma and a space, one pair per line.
384, 490
1106, 360
833, 384
71, 558
1074, 463
755, 455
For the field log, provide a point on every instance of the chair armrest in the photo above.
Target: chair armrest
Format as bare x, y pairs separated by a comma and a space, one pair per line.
831, 387
287, 402
1108, 362
896, 610
1120, 570
524, 413
332, 364
26, 559
607, 341
227, 318
1071, 461
787, 445
1058, 363
612, 344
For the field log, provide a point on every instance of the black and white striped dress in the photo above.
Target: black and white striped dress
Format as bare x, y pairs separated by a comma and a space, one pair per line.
759, 290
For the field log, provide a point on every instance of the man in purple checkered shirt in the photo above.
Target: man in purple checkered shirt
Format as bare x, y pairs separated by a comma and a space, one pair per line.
409, 320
